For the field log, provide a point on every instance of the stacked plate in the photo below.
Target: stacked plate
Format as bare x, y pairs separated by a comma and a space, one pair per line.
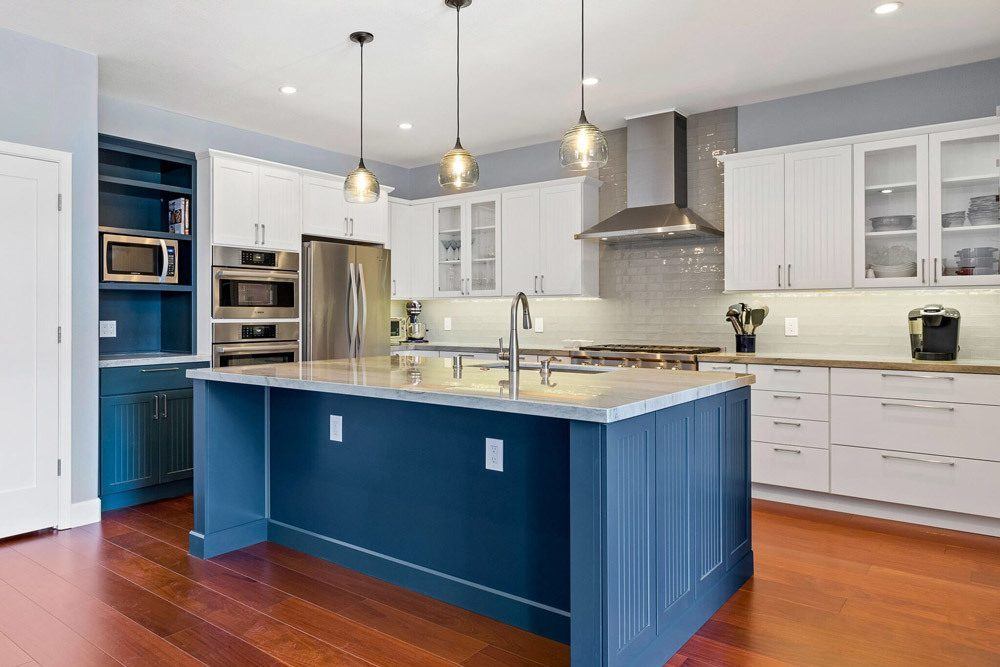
953, 219
984, 210
908, 270
982, 261
892, 223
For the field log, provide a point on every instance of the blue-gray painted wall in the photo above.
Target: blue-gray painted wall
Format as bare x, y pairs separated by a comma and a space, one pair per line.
938, 96
48, 98
157, 126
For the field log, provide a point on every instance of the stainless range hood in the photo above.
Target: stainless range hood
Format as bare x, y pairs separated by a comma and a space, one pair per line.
657, 186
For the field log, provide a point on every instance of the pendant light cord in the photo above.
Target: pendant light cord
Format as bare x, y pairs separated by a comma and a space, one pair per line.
458, 73
362, 104
582, 51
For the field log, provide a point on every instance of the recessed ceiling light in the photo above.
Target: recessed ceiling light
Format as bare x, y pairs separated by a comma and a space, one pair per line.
887, 191
288, 90
591, 81
406, 126
887, 8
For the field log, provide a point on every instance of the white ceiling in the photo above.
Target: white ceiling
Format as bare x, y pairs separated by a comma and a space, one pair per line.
225, 59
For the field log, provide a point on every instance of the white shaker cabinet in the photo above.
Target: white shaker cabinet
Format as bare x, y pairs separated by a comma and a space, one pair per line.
521, 240
235, 202
467, 246
324, 211
280, 208
412, 260
755, 223
369, 222
818, 218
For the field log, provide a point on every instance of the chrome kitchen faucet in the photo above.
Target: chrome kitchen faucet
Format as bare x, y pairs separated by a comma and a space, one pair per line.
514, 349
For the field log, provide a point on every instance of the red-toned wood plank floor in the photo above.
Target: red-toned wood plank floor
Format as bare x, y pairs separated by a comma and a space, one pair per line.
830, 589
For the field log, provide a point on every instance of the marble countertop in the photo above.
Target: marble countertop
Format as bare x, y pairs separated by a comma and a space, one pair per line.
149, 359
604, 397
884, 363
482, 349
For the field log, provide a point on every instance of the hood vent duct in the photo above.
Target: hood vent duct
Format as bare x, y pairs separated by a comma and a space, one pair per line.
657, 186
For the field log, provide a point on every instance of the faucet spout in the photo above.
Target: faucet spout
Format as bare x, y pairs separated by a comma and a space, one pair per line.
514, 347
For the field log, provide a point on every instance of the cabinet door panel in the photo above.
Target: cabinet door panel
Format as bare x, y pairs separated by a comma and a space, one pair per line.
521, 241
449, 249
561, 254
755, 223
369, 222
483, 255
421, 251
129, 435
324, 211
818, 218
401, 253
280, 208
235, 203
177, 435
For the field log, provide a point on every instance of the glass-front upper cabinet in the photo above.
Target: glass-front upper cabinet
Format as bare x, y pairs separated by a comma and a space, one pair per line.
890, 213
965, 206
467, 247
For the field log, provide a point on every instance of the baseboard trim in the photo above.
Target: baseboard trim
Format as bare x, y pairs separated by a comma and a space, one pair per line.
230, 539
966, 523
84, 513
526, 614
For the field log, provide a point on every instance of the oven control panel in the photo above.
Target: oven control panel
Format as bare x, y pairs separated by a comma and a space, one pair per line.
259, 332
257, 258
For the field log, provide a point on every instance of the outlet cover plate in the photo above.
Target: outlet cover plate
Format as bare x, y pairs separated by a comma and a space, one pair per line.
447, 324
539, 325
494, 454
791, 326
336, 428
109, 329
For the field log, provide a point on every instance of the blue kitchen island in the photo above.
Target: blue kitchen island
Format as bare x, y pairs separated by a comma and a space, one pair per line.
620, 520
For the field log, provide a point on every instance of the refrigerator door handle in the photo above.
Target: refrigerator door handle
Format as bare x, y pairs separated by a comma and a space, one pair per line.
352, 331
307, 303
364, 309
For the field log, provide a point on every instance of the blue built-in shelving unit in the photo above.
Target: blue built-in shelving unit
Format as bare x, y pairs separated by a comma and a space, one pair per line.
136, 181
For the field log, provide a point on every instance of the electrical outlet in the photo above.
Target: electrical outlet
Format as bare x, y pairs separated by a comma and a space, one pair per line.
447, 324
539, 325
791, 326
494, 454
336, 428
109, 329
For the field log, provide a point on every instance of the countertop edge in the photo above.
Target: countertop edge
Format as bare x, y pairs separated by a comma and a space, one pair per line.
985, 367
124, 362
524, 407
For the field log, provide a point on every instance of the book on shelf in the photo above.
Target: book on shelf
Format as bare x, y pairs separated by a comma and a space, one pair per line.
179, 215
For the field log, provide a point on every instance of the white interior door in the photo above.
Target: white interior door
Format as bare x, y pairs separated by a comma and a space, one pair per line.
29, 353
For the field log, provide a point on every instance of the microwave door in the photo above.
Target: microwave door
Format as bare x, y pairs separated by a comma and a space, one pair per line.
329, 300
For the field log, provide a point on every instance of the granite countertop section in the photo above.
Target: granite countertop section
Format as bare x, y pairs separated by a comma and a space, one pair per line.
603, 397
481, 349
888, 363
149, 359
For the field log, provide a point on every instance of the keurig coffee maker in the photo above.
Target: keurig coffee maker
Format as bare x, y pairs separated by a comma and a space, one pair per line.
934, 333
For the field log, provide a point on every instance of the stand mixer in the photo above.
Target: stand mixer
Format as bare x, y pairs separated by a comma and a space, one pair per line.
416, 332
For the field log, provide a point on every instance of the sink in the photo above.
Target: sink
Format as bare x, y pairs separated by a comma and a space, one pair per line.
554, 368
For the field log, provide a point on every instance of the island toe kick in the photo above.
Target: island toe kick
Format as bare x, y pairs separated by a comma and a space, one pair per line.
621, 538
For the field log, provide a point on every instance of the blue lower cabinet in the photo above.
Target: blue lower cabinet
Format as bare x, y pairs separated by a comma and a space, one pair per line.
146, 438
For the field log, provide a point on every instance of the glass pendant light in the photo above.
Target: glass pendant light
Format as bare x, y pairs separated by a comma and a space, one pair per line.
361, 186
583, 146
459, 168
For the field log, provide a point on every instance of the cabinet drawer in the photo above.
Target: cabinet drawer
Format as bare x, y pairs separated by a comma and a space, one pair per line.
791, 378
952, 387
796, 467
720, 366
787, 431
952, 429
790, 404
139, 379
938, 482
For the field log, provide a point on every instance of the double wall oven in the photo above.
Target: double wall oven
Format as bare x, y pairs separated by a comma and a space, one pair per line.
254, 284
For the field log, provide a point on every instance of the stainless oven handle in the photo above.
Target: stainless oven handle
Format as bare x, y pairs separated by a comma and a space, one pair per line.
166, 257
352, 333
364, 310
256, 347
260, 276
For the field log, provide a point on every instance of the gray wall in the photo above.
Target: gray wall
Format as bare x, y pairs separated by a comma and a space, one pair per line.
48, 98
144, 123
938, 96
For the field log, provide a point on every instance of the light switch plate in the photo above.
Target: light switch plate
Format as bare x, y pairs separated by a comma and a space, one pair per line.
109, 329
539, 325
447, 324
336, 428
791, 326
494, 454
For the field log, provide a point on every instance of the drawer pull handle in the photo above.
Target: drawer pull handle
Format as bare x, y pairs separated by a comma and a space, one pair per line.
919, 406
892, 457
790, 396
788, 450
159, 370
919, 377
787, 370
780, 423
717, 367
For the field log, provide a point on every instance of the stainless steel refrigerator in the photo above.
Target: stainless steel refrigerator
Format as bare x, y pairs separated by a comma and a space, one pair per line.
345, 301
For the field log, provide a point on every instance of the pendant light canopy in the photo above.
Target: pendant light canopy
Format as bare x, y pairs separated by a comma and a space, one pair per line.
459, 168
583, 146
361, 186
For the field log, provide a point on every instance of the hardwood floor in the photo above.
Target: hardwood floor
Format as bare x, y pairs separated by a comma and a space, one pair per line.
829, 589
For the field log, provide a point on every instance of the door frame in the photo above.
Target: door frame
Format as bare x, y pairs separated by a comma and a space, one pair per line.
64, 161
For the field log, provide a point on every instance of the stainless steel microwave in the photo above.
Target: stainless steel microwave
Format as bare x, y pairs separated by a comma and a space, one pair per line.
138, 259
